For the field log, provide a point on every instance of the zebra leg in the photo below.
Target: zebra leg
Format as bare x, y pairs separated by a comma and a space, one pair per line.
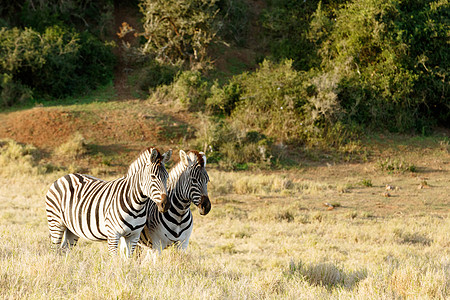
124, 247
56, 233
132, 241
183, 245
70, 239
113, 243
128, 244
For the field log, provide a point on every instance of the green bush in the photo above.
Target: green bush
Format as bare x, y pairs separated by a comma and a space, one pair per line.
178, 30
154, 75
223, 99
13, 92
191, 90
286, 24
56, 63
233, 147
272, 101
391, 60
286, 105
233, 20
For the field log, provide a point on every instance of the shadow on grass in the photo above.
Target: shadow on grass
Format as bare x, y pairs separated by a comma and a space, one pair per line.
326, 275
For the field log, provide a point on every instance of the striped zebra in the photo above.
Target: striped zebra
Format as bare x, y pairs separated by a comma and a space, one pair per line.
187, 183
83, 206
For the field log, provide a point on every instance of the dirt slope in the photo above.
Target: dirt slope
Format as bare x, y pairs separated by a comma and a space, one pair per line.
114, 132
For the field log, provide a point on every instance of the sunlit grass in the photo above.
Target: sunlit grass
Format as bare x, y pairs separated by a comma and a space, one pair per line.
268, 236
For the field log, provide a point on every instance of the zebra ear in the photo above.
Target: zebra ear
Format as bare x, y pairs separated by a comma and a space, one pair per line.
185, 158
154, 155
167, 156
204, 159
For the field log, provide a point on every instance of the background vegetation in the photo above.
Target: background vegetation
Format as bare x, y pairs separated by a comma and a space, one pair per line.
53, 49
316, 73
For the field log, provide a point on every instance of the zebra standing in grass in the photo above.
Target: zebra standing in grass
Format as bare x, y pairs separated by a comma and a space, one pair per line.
83, 206
187, 183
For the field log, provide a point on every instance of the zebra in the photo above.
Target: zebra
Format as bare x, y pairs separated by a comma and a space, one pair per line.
84, 206
187, 183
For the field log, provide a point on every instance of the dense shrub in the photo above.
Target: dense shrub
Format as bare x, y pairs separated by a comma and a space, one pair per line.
232, 146
233, 20
56, 63
272, 101
286, 23
224, 98
188, 91
279, 102
178, 30
265, 110
12, 92
155, 74
94, 16
393, 61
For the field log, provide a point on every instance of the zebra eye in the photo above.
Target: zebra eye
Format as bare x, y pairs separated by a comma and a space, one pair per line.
194, 181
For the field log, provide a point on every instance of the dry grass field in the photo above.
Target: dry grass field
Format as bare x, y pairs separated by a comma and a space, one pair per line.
320, 231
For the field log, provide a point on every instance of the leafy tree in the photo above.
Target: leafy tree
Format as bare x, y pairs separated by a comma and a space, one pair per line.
287, 23
178, 30
392, 61
56, 63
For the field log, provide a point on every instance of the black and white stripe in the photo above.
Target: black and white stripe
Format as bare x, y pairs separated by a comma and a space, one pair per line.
187, 183
83, 206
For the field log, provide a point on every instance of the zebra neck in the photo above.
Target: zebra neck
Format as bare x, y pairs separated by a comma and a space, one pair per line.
175, 174
133, 193
180, 202
178, 191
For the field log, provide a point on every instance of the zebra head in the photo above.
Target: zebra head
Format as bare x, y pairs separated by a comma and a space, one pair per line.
198, 179
154, 179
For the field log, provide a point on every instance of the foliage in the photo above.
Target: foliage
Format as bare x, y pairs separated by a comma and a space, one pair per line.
233, 21
272, 101
287, 24
383, 57
155, 74
279, 105
224, 98
188, 91
279, 102
178, 30
234, 147
94, 16
12, 92
57, 63
53, 48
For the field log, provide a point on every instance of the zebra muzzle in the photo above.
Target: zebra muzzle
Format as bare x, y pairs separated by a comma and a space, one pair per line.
164, 205
204, 206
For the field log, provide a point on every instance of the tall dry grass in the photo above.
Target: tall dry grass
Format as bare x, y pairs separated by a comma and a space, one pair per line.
266, 237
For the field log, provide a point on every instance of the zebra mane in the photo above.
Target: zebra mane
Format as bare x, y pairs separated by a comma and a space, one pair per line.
199, 157
176, 171
143, 157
